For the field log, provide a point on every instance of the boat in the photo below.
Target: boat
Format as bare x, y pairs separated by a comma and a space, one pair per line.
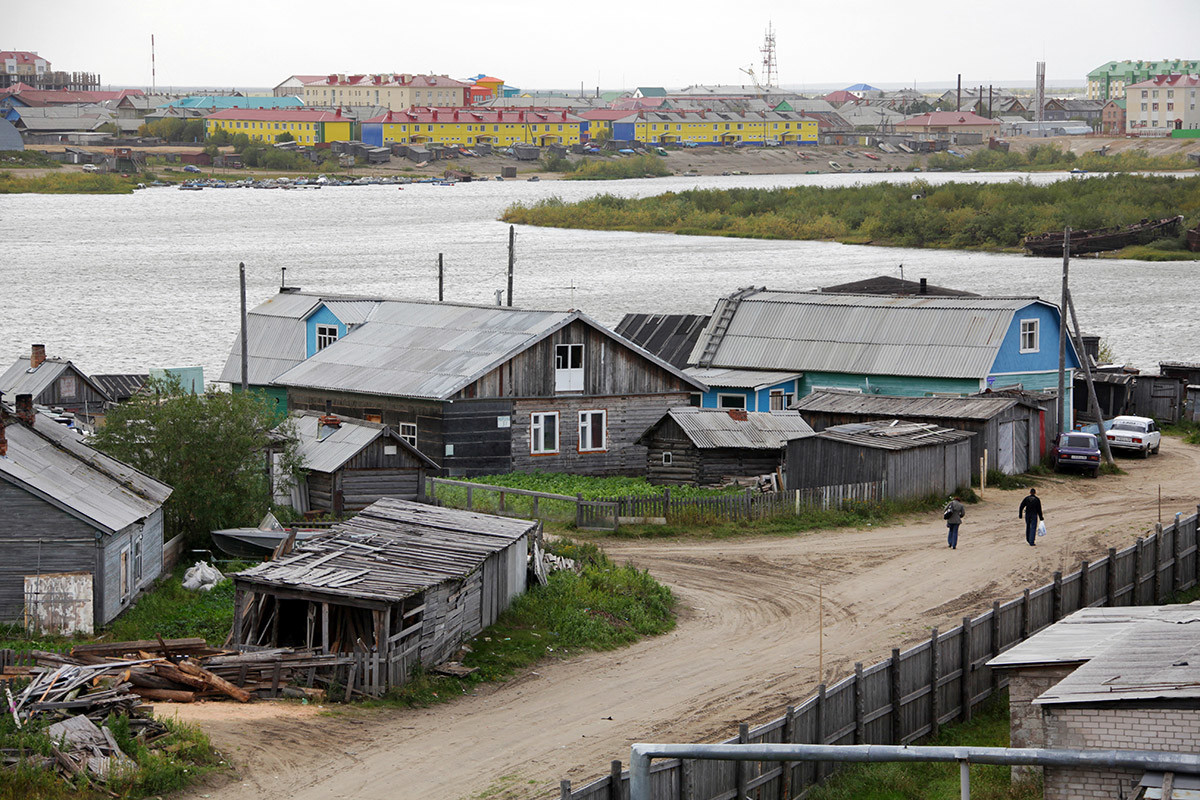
871, 156
835, 165
190, 187
260, 541
1193, 239
1099, 240
691, 173
443, 183
533, 179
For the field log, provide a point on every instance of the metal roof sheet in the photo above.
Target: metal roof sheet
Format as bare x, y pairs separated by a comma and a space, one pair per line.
976, 408
710, 428
53, 462
327, 450
863, 334
391, 550
740, 378
893, 434
671, 337
1087, 633
20, 379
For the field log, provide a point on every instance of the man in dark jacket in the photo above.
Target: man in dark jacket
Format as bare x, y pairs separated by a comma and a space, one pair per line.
1031, 510
954, 513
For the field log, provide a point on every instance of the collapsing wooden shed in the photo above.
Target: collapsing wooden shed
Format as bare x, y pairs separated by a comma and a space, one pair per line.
401, 583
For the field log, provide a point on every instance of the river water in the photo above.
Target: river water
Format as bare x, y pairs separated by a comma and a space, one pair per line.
124, 283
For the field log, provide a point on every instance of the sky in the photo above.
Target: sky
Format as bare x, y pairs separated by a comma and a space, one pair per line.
225, 44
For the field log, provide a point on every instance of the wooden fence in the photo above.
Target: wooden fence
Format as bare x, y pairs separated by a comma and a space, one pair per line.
908, 696
610, 512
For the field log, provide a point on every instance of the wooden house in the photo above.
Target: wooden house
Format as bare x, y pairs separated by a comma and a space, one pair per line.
477, 389
910, 459
53, 382
408, 582
81, 533
711, 447
1012, 430
351, 463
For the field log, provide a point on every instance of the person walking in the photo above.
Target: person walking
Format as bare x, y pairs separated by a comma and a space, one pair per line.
1031, 510
953, 515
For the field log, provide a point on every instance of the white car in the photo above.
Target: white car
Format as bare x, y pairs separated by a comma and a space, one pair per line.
1140, 434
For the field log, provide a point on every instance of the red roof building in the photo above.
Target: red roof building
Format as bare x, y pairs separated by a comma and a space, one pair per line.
839, 97
1163, 103
279, 115
950, 122
26, 95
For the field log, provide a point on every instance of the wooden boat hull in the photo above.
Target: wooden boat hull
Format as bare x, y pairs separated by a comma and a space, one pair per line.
253, 542
1099, 240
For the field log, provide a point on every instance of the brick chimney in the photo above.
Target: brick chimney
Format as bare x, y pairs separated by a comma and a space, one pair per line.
25, 409
3, 433
738, 414
37, 355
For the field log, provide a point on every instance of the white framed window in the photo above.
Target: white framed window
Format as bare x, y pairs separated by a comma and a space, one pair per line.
781, 400
543, 433
593, 431
137, 560
731, 401
1029, 336
408, 432
568, 368
667, 458
326, 335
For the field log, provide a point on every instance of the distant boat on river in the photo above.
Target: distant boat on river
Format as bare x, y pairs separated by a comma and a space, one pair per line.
1098, 240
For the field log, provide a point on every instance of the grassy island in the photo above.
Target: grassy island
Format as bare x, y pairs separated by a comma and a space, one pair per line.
976, 216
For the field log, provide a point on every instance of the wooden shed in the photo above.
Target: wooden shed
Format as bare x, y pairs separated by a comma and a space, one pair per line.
1011, 429
351, 463
910, 459
53, 382
713, 447
406, 582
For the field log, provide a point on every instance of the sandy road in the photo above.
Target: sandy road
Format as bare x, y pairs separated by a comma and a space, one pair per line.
745, 647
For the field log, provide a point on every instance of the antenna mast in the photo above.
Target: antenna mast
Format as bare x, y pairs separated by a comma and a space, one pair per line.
153, 70
770, 67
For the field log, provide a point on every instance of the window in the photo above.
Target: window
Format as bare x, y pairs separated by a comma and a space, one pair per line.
326, 335
68, 385
543, 433
408, 432
781, 400
568, 368
731, 401
593, 431
1029, 336
667, 458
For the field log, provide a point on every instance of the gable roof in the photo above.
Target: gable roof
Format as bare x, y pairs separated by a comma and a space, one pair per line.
52, 462
20, 379
715, 428
946, 119
919, 335
330, 452
971, 408
671, 337
887, 284
756, 379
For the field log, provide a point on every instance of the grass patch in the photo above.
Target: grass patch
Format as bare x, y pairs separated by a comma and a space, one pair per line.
1051, 157
68, 183
989, 727
26, 159
605, 607
1184, 429
972, 216
1000, 480
595, 169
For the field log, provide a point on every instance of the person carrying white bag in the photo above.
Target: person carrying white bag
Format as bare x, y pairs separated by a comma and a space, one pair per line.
1031, 510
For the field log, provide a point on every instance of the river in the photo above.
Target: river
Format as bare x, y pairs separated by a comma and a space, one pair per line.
121, 283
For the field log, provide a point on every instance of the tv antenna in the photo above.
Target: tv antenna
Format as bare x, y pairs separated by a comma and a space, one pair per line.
770, 67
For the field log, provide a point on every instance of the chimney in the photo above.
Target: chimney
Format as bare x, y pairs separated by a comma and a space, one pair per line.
25, 409
924, 287
37, 355
738, 414
3, 433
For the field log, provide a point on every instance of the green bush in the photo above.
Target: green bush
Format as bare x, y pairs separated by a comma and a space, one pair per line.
24, 159
595, 169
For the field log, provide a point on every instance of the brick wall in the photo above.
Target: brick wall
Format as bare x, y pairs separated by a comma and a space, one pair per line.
1025, 719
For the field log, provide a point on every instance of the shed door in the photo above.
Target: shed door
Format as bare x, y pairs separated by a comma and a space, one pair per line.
1004, 458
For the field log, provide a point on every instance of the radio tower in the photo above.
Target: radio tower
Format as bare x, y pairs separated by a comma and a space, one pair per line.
770, 66
153, 72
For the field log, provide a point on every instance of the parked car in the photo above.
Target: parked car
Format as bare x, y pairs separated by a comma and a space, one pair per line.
90, 168
191, 168
1139, 434
1076, 450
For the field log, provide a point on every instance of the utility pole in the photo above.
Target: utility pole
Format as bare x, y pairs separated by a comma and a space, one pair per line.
512, 258
1093, 403
958, 102
441, 279
1062, 334
245, 343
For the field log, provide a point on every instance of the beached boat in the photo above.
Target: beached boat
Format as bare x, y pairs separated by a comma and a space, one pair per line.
835, 165
1193, 239
260, 541
1099, 240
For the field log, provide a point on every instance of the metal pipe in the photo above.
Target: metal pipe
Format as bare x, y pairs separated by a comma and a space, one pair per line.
642, 754
964, 779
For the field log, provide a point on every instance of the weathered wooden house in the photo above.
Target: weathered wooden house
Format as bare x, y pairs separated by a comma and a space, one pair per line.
478, 389
909, 459
710, 447
407, 582
81, 534
351, 463
1012, 430
53, 382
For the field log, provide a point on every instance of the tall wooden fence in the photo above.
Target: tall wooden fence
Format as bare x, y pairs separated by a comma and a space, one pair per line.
908, 696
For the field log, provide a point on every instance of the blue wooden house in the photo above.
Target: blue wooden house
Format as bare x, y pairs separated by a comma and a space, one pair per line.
915, 345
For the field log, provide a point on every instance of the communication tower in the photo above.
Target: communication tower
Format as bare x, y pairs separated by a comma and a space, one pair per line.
1039, 94
770, 68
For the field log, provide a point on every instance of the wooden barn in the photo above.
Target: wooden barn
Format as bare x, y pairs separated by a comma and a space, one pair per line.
911, 459
350, 463
713, 447
81, 534
1012, 429
53, 382
406, 582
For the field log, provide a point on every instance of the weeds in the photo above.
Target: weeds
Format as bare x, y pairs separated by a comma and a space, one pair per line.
1185, 429
592, 169
25, 159
68, 183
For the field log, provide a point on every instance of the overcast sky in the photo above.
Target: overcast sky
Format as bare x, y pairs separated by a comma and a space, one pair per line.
219, 43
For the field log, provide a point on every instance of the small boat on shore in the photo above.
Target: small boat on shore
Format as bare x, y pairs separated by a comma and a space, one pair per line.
1099, 240
835, 165
261, 541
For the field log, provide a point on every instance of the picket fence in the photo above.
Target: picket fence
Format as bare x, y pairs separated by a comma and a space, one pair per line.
908, 696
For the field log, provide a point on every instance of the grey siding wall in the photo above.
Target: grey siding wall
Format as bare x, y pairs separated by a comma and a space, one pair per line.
36, 538
475, 429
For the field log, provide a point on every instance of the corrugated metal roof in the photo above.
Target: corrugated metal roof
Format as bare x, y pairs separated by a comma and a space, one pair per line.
325, 449
121, 387
53, 462
977, 408
1154, 660
864, 334
671, 337
1087, 633
391, 550
893, 435
740, 378
709, 428
20, 379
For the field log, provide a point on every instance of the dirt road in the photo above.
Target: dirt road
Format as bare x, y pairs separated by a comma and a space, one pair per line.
745, 647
